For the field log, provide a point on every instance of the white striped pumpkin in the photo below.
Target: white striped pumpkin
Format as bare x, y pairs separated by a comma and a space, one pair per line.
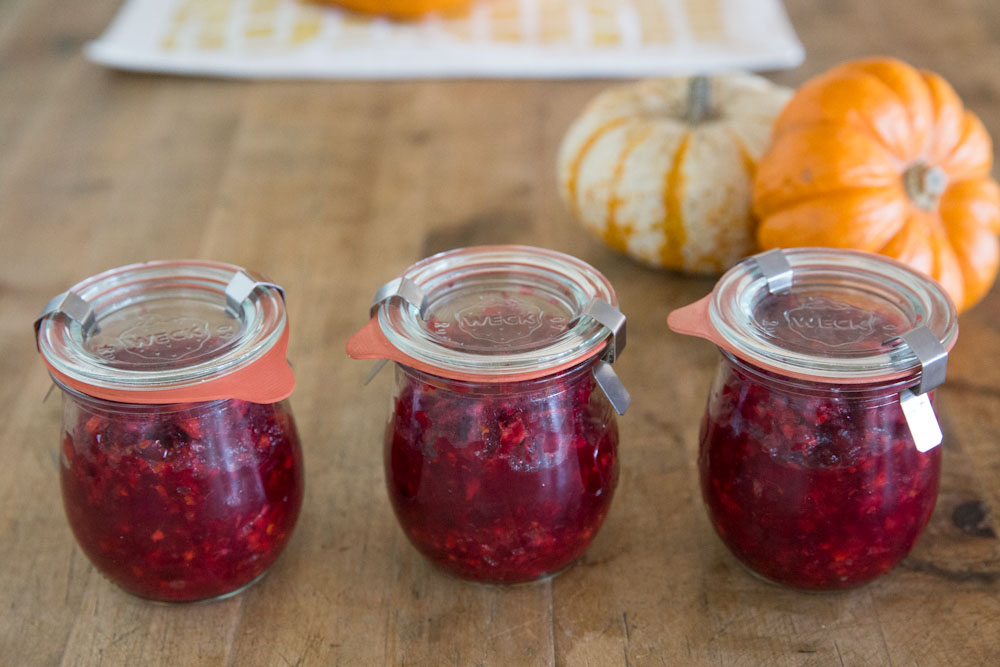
663, 169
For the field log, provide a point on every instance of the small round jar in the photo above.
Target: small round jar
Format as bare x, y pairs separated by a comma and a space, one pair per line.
812, 472
501, 451
180, 464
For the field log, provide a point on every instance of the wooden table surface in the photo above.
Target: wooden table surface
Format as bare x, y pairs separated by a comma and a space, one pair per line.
333, 188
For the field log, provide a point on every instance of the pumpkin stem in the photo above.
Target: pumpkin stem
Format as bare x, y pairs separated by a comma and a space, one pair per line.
925, 185
699, 100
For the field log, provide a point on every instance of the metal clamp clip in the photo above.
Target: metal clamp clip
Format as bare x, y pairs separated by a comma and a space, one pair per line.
239, 289
931, 354
613, 320
776, 269
408, 291
404, 288
915, 403
73, 306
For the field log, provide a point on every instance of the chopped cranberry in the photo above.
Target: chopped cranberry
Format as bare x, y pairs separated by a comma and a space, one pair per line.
181, 502
501, 483
813, 487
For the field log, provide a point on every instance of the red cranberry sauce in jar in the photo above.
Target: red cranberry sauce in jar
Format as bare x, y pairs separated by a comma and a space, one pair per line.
503, 483
501, 450
181, 503
181, 468
810, 467
810, 488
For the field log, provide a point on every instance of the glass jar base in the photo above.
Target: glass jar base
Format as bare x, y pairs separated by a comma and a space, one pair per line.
544, 578
789, 587
208, 600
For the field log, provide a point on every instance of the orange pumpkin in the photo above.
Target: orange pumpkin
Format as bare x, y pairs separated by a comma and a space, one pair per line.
402, 9
876, 155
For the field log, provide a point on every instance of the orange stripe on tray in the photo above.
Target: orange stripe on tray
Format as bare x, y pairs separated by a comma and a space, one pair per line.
653, 23
705, 19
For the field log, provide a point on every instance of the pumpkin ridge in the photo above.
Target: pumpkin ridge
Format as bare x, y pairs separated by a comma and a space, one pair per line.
831, 220
853, 119
972, 130
576, 164
903, 103
794, 163
946, 258
912, 225
862, 123
971, 216
673, 223
614, 235
751, 167
932, 135
949, 113
806, 108
804, 198
954, 180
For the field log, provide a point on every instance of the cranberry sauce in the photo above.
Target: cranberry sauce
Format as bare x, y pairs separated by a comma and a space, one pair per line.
181, 502
501, 483
810, 487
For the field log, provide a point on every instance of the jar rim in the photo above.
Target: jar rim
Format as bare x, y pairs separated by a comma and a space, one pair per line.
493, 312
886, 389
838, 321
109, 405
510, 387
162, 333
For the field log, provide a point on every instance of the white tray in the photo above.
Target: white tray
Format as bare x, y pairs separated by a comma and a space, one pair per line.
497, 38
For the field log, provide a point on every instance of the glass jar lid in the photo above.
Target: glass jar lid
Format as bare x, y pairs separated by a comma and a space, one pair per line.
169, 330
497, 311
837, 316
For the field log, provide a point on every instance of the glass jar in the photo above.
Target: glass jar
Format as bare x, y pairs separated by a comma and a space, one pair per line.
180, 465
818, 453
501, 450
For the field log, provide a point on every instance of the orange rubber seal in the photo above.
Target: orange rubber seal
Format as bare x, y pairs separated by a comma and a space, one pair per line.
695, 320
268, 379
370, 343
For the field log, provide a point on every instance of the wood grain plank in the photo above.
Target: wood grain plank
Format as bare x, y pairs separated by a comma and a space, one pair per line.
300, 173
104, 181
159, 201
40, 44
43, 575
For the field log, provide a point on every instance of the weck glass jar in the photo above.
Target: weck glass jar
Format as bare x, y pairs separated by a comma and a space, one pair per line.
180, 465
501, 450
818, 451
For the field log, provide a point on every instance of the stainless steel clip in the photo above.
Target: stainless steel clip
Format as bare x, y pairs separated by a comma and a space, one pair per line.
916, 403
408, 291
776, 269
73, 306
613, 320
404, 288
931, 354
612, 386
239, 289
